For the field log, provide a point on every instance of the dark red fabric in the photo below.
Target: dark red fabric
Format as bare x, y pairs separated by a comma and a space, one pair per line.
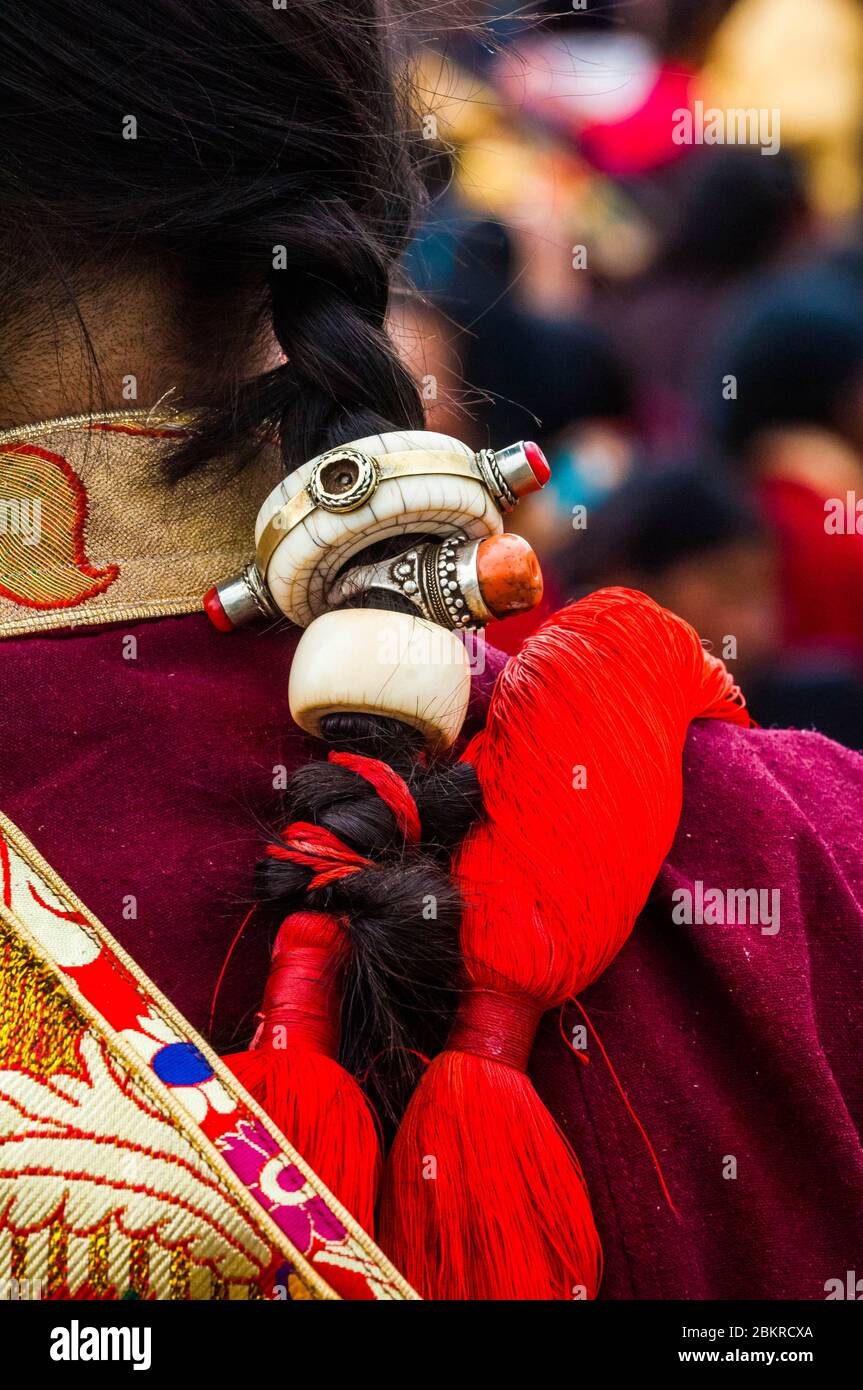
731, 1043
153, 777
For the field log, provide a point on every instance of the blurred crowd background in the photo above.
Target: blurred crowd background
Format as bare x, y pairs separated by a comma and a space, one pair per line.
678, 324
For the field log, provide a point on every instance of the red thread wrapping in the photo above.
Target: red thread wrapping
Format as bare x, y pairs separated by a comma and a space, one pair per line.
499, 1027
317, 848
392, 789
303, 997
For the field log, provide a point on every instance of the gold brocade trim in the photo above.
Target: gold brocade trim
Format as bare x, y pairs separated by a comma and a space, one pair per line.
179, 1277
139, 1267
111, 540
274, 1236
139, 1270
108, 613
36, 1018
48, 1264
18, 1265
58, 1252
154, 419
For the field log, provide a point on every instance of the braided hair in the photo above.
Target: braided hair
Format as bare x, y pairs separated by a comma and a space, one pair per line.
402, 911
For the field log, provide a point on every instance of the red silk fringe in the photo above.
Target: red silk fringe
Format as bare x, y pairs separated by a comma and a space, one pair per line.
580, 764
291, 1069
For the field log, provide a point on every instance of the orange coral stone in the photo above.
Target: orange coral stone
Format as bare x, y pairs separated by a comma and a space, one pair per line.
510, 579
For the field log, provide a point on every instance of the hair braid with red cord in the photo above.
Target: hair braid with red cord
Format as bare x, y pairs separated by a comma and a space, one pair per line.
292, 1066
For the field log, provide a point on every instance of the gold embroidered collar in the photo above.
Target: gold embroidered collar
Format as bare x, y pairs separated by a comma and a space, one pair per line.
91, 532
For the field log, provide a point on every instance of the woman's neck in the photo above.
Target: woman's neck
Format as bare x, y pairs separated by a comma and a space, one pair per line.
138, 338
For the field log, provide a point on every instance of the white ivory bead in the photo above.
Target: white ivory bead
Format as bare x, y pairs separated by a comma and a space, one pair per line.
395, 442
304, 565
367, 661
307, 561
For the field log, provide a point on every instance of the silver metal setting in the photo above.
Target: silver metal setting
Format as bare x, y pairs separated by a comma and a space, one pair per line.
246, 598
494, 479
437, 577
513, 465
468, 582
342, 480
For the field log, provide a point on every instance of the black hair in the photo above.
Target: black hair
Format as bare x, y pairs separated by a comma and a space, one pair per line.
264, 151
272, 161
402, 914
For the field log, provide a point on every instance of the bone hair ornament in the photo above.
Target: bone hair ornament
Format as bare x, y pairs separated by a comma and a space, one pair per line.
412, 483
372, 662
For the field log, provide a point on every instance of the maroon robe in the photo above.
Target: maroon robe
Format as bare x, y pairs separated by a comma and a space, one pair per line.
147, 782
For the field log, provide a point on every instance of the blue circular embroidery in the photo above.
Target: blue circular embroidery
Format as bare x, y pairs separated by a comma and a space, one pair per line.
181, 1064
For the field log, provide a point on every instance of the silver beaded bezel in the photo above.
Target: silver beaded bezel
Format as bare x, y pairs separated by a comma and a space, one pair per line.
367, 479
441, 586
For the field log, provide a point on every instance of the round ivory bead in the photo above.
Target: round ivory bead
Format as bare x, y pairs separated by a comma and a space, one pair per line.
367, 661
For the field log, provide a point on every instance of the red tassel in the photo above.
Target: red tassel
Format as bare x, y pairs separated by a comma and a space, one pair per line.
291, 1069
580, 765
